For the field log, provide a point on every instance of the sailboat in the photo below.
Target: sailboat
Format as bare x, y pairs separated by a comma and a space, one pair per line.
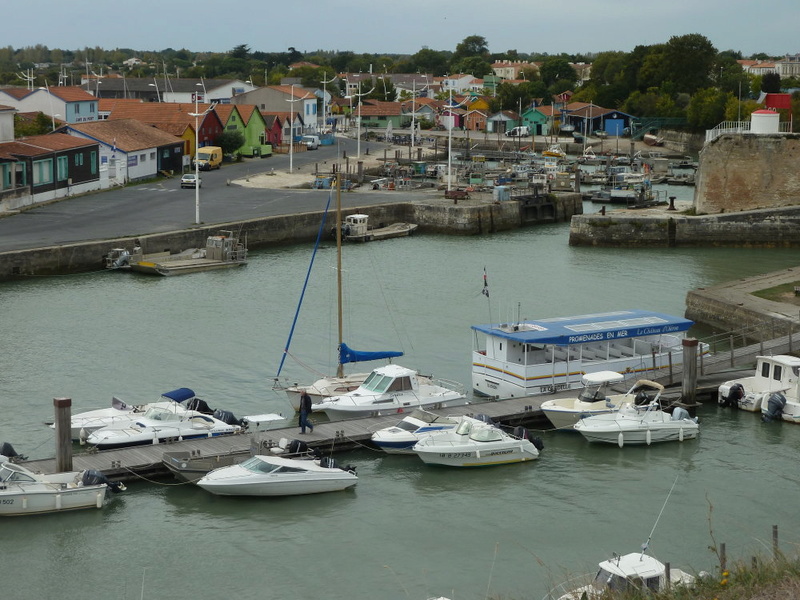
328, 386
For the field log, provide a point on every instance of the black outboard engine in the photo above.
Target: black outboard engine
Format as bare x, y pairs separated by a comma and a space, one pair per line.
520, 432
8, 451
92, 477
297, 447
485, 418
735, 394
775, 405
328, 462
200, 406
226, 417
537, 443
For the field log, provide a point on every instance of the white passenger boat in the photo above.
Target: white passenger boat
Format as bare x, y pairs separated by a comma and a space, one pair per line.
630, 574
400, 438
392, 389
773, 375
525, 358
24, 492
121, 413
264, 475
475, 443
637, 425
160, 424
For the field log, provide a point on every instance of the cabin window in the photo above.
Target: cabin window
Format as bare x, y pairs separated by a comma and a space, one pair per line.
652, 583
765, 370
777, 371
400, 384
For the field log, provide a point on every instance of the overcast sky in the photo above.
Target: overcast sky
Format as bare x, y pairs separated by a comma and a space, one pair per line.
405, 27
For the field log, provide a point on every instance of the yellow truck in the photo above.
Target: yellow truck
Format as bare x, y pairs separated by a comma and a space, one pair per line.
209, 157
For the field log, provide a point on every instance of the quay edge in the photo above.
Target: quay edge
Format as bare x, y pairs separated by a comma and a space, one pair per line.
446, 217
659, 227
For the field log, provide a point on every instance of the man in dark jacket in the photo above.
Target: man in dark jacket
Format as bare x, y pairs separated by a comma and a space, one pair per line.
305, 410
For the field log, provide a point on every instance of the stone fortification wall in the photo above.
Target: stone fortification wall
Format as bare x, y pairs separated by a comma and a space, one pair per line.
758, 228
747, 171
681, 141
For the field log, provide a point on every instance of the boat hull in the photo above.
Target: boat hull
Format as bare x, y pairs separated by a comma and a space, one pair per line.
41, 498
276, 486
447, 455
623, 431
340, 410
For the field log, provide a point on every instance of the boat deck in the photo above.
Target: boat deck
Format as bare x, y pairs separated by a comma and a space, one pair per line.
185, 265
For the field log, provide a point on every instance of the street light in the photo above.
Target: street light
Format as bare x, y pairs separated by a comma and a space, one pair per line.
291, 128
414, 103
155, 85
451, 106
358, 121
197, 114
325, 100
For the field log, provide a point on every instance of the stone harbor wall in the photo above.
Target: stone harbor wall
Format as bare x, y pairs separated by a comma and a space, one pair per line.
739, 172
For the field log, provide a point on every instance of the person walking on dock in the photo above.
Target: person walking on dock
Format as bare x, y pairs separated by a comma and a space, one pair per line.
305, 410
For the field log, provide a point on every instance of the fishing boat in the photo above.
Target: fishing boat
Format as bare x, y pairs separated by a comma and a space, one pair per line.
400, 438
554, 151
392, 389
340, 383
529, 357
25, 492
264, 475
634, 424
475, 443
777, 376
356, 228
222, 251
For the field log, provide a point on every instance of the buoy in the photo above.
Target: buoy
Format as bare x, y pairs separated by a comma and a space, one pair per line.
82, 436
647, 437
100, 496
620, 441
58, 501
680, 434
155, 438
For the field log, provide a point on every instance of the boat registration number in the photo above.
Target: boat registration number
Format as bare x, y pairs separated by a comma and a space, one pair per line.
557, 387
455, 454
7, 501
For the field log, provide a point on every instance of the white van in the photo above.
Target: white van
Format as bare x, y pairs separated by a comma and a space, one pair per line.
311, 141
520, 131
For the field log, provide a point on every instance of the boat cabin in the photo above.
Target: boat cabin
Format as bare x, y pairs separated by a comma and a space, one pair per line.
629, 573
388, 379
355, 226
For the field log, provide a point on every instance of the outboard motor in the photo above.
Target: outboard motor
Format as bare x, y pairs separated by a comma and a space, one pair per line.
226, 417
775, 405
735, 394
537, 443
92, 477
679, 413
200, 406
520, 432
297, 447
328, 462
485, 418
7, 450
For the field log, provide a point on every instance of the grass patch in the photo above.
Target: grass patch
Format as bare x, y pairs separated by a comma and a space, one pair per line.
780, 293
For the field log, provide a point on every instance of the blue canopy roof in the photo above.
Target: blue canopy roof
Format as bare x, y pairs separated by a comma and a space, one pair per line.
347, 355
564, 331
179, 395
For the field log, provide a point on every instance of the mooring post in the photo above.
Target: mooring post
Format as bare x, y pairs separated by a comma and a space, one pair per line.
689, 386
723, 558
731, 351
63, 422
775, 542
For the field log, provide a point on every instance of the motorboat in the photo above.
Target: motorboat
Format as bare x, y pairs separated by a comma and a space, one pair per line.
392, 389
266, 475
554, 150
356, 228
636, 424
774, 376
161, 424
24, 492
121, 413
525, 358
475, 443
400, 438
621, 575
593, 399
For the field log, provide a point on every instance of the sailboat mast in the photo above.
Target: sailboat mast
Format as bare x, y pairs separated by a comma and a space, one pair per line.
339, 366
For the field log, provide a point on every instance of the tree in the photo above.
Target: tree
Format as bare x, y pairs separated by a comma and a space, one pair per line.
557, 69
474, 65
771, 83
473, 45
688, 61
707, 107
230, 141
431, 61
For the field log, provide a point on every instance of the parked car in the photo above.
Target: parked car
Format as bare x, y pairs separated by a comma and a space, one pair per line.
311, 141
521, 131
190, 180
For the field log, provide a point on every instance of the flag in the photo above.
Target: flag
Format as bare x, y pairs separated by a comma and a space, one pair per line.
485, 290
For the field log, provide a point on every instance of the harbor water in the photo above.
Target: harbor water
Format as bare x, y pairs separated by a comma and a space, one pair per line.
406, 530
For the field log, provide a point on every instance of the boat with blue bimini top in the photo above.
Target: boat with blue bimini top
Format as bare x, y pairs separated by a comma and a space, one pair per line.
400, 438
525, 358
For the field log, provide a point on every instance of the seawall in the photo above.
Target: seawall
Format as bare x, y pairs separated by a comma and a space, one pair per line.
446, 217
766, 228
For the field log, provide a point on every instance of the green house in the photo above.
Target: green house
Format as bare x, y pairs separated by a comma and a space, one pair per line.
247, 120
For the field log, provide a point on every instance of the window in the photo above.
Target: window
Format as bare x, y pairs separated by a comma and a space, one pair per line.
77, 109
93, 162
143, 158
152, 156
42, 171
79, 159
62, 167
777, 373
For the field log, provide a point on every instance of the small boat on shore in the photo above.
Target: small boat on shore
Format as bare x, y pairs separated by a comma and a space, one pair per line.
264, 475
222, 251
24, 492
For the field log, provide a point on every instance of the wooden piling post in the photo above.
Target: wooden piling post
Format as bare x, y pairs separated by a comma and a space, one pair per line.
775, 550
689, 385
731, 351
723, 558
63, 422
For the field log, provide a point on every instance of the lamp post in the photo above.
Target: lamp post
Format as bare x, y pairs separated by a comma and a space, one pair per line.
450, 139
414, 104
358, 119
197, 114
155, 85
291, 128
325, 83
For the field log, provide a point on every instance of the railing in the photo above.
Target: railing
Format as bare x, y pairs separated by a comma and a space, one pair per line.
739, 127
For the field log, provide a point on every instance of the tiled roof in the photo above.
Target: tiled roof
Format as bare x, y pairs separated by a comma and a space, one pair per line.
16, 92
129, 135
38, 145
71, 94
159, 112
246, 111
378, 108
109, 104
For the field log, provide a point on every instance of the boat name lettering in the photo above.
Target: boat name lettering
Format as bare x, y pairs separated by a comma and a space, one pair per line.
497, 452
597, 337
553, 388
656, 330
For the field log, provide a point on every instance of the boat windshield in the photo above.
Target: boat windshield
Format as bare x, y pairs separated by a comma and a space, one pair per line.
156, 413
613, 582
378, 383
464, 428
593, 393
9, 474
256, 465
486, 434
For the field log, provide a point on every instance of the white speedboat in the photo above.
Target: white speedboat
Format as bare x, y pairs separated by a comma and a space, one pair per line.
523, 358
773, 375
392, 389
23, 492
121, 413
593, 399
264, 475
628, 574
475, 443
400, 438
160, 424
639, 424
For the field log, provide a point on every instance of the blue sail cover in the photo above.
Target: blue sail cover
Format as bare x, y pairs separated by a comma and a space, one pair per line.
346, 355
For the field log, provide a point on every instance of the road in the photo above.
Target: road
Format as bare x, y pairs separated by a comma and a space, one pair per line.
163, 206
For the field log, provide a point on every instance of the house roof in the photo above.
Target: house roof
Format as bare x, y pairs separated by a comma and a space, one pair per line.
38, 145
71, 93
379, 108
294, 91
109, 104
224, 111
159, 112
129, 135
246, 111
